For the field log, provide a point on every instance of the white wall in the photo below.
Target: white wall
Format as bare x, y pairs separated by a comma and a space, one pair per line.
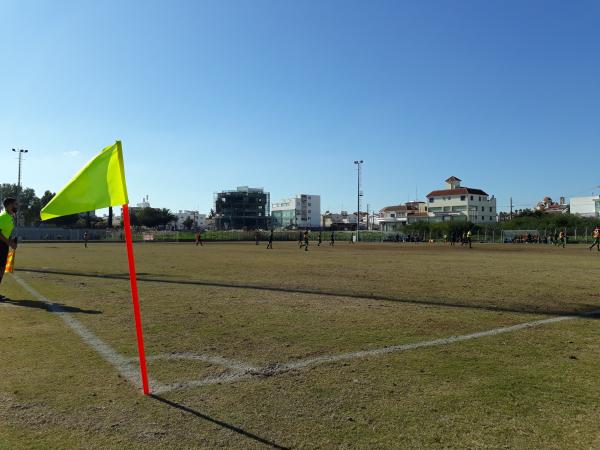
585, 206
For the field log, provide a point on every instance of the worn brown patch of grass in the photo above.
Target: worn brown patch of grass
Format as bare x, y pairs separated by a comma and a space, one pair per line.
533, 388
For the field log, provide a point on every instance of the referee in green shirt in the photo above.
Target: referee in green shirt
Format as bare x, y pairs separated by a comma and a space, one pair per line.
7, 225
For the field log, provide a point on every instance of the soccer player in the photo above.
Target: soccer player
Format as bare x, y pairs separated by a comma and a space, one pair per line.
198, 238
85, 238
562, 239
320, 238
270, 244
352, 238
257, 237
300, 237
306, 240
332, 240
470, 238
596, 236
7, 224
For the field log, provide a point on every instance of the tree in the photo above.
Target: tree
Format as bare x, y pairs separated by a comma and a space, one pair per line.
188, 223
151, 217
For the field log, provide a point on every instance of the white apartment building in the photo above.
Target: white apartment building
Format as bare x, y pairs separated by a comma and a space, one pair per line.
341, 221
586, 206
301, 211
199, 220
458, 202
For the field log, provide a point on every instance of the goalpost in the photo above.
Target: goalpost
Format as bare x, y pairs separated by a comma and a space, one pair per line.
521, 236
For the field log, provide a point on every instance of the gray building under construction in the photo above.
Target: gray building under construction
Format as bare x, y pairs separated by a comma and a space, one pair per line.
245, 208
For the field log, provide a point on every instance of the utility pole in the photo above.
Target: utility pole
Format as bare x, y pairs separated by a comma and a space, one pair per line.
358, 196
511, 206
20, 153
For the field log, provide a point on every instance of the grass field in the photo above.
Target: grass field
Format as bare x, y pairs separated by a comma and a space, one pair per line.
250, 348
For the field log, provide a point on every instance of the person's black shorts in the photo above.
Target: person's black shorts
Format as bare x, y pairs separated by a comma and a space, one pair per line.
3, 256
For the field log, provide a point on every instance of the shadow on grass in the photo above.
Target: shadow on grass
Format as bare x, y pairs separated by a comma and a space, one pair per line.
586, 311
221, 423
51, 307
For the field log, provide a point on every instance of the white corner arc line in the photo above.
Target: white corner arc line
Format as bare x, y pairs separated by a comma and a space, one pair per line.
123, 365
216, 360
274, 369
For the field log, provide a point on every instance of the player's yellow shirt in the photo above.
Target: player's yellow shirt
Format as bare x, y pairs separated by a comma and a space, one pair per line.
6, 224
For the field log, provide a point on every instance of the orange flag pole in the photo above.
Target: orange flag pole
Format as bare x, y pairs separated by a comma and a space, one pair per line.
136, 300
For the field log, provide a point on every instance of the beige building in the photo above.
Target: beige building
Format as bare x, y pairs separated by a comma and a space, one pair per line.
391, 217
456, 202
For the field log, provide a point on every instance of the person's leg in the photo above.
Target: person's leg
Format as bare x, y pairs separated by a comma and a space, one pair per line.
3, 258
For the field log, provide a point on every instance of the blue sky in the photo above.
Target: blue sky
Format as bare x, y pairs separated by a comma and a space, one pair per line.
210, 95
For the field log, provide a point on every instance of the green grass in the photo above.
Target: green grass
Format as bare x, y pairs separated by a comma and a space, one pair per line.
533, 388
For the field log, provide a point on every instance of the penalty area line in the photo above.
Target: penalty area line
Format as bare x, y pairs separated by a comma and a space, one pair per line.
123, 365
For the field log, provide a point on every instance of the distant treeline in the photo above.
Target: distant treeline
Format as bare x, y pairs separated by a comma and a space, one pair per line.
525, 220
30, 206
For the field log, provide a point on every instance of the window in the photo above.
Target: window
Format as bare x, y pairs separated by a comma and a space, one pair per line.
483, 208
480, 198
482, 218
490, 209
309, 204
491, 218
471, 197
431, 200
462, 198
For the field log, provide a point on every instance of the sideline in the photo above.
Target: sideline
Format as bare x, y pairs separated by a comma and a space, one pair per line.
123, 365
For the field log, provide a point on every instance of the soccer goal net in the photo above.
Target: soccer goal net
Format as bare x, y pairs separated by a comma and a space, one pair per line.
521, 235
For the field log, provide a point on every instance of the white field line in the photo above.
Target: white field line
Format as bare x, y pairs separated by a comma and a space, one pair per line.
238, 366
274, 369
123, 365
244, 371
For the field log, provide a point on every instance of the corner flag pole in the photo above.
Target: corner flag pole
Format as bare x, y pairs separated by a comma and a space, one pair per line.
135, 298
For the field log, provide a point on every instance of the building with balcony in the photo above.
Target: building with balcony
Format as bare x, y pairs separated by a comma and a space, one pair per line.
456, 202
393, 217
301, 211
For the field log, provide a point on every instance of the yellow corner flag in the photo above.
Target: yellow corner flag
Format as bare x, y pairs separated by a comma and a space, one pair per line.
100, 184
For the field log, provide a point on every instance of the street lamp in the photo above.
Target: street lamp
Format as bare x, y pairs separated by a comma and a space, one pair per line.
20, 153
358, 196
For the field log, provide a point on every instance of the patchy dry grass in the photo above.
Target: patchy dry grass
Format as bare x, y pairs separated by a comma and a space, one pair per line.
533, 388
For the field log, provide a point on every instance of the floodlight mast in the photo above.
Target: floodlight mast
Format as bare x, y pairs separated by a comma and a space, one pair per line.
20, 152
359, 194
